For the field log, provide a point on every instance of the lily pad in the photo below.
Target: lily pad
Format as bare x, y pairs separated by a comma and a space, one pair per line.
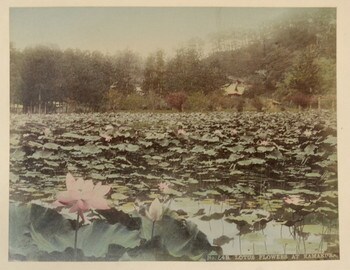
34, 228
253, 161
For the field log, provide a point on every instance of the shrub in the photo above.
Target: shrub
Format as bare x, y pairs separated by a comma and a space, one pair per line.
257, 104
218, 101
132, 102
197, 102
154, 102
176, 100
301, 99
240, 103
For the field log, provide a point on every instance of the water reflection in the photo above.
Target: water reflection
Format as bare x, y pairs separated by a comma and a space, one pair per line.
272, 238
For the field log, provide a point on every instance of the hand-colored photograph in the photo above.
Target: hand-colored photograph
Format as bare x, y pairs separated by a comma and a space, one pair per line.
173, 134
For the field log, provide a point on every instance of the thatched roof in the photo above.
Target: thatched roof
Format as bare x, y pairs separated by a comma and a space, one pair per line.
235, 89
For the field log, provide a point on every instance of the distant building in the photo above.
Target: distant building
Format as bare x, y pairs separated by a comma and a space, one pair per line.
235, 88
139, 91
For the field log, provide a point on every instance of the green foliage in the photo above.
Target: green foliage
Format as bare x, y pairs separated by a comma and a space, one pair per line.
40, 74
183, 71
213, 101
197, 102
154, 74
115, 101
189, 72
304, 73
16, 82
327, 72
126, 72
38, 233
310, 75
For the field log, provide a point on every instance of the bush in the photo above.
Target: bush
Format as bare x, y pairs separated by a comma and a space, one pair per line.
214, 101
154, 102
197, 102
302, 100
176, 100
218, 101
257, 104
117, 101
132, 102
240, 103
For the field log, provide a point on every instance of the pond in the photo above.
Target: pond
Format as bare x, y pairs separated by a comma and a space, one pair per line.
253, 183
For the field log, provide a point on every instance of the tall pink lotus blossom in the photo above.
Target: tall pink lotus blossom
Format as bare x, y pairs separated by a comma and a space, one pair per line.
82, 196
155, 211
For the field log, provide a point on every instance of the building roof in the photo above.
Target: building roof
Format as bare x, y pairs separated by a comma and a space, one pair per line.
234, 89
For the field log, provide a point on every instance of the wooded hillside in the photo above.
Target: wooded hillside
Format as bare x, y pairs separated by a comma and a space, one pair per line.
292, 61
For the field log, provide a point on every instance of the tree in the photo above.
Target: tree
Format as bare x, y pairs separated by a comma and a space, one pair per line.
127, 72
182, 72
16, 82
277, 60
154, 74
40, 76
190, 73
303, 80
327, 74
212, 76
305, 76
85, 78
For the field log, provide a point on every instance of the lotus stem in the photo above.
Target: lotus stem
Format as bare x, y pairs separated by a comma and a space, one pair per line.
152, 229
240, 244
76, 236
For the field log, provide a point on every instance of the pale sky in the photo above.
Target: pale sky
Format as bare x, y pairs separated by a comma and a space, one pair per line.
142, 30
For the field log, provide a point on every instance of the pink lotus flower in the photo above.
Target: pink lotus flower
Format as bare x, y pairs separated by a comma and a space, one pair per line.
155, 211
164, 187
293, 199
107, 137
234, 131
82, 196
264, 143
181, 132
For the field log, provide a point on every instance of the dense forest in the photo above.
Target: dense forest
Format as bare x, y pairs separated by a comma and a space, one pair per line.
291, 61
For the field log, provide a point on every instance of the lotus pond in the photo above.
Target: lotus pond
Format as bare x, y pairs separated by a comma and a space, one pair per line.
237, 184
